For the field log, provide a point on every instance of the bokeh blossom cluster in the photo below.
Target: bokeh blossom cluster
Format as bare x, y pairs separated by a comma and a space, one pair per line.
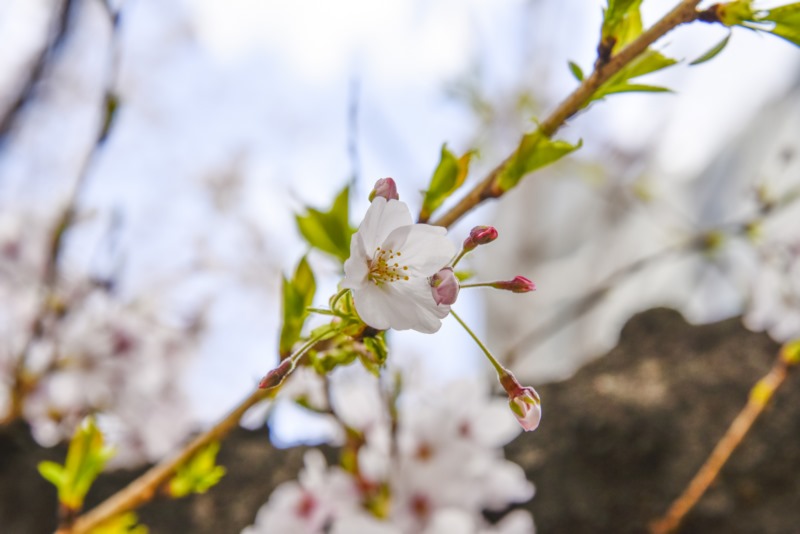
71, 348
423, 460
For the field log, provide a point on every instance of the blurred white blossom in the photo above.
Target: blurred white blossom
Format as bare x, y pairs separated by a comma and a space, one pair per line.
441, 466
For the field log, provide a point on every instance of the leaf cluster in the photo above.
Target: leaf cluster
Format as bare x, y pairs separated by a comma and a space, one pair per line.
298, 293
449, 175
197, 475
86, 457
329, 231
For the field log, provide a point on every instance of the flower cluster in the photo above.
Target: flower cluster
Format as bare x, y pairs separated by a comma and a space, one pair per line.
434, 468
116, 360
72, 349
402, 276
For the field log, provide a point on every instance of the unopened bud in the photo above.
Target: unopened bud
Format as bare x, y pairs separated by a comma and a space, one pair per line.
519, 284
386, 188
525, 403
444, 287
480, 235
276, 377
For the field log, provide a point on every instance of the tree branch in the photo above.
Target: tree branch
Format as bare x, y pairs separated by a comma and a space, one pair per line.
760, 395
684, 12
144, 488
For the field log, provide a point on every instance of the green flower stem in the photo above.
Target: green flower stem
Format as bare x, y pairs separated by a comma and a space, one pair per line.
336, 298
321, 311
501, 371
299, 353
458, 258
477, 284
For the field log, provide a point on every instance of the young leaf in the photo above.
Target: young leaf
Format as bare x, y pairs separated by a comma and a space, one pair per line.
712, 53
86, 457
463, 276
576, 71
329, 231
735, 13
52, 472
125, 523
648, 62
298, 293
787, 22
447, 178
199, 474
534, 152
622, 23
377, 352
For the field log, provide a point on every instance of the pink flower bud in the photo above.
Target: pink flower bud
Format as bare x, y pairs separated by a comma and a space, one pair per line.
519, 284
386, 188
276, 377
444, 286
524, 402
480, 235
527, 408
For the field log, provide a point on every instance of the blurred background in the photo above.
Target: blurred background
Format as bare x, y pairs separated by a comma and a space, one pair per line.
164, 231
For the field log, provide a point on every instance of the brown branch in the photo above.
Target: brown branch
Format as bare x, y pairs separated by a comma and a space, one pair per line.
145, 487
23, 384
40, 64
683, 13
760, 395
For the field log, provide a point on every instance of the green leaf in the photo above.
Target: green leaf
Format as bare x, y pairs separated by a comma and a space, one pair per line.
86, 457
642, 88
576, 71
52, 472
735, 13
199, 474
787, 22
377, 350
712, 53
447, 178
622, 23
325, 362
646, 63
298, 293
329, 231
463, 276
125, 523
534, 152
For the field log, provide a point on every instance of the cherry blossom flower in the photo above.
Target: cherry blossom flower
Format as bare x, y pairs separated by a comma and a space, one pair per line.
391, 261
445, 468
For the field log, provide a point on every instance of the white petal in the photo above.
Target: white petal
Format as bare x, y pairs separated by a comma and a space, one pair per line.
382, 217
425, 249
355, 267
372, 305
400, 305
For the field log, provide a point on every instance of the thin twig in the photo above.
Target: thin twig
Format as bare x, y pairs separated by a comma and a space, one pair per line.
760, 395
684, 12
37, 72
23, 383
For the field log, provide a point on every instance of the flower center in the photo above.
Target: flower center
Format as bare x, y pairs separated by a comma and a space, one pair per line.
385, 266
